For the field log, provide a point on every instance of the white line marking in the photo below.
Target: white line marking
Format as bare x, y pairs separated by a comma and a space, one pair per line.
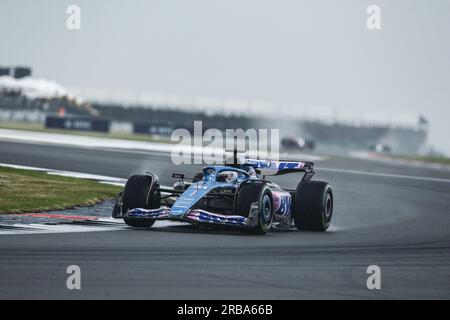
67, 228
81, 141
387, 175
397, 161
45, 229
99, 178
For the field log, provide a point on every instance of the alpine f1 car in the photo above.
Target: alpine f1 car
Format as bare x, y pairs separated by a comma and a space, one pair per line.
237, 195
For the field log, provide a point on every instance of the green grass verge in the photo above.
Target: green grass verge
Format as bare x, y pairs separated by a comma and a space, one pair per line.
115, 135
24, 191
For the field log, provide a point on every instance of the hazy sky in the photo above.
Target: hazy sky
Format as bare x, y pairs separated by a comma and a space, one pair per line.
308, 53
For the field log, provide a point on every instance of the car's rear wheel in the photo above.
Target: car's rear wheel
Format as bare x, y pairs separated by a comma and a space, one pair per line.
313, 206
139, 192
254, 201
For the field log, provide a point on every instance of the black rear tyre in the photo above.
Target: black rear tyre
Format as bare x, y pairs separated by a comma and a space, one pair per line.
260, 194
139, 192
313, 206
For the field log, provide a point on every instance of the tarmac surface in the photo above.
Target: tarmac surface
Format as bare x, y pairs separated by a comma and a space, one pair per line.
393, 216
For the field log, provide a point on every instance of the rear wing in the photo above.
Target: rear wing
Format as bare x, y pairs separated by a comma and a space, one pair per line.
276, 168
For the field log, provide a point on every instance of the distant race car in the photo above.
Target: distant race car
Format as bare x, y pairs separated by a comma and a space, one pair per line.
381, 148
290, 143
236, 195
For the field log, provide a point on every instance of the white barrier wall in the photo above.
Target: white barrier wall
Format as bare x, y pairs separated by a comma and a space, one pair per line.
35, 116
121, 127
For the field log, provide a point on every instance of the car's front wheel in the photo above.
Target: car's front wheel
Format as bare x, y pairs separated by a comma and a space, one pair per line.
139, 192
254, 201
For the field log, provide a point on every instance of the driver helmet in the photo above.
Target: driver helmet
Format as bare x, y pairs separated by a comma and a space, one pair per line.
251, 171
227, 176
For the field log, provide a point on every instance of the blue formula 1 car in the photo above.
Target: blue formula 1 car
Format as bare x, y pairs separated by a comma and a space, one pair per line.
236, 195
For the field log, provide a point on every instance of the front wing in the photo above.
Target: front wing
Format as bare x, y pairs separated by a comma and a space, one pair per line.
192, 216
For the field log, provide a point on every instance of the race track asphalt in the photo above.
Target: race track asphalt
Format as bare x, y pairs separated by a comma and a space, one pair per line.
396, 217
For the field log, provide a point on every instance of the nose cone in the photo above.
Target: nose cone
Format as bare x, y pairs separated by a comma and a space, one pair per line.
189, 198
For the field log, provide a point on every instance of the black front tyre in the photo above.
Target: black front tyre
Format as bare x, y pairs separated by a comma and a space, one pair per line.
313, 206
259, 194
139, 223
139, 192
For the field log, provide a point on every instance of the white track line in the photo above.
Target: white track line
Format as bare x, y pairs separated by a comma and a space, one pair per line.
81, 141
58, 228
113, 225
391, 160
99, 178
380, 174
121, 182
